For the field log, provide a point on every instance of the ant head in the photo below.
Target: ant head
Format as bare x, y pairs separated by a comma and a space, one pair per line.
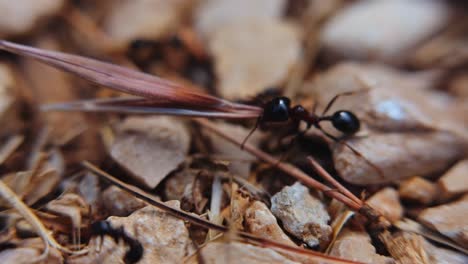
277, 110
346, 122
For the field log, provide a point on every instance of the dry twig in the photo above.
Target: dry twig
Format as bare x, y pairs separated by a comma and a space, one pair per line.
194, 219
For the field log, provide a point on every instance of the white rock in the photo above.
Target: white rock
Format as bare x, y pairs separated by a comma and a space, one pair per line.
383, 29
261, 222
21, 16
253, 55
302, 215
150, 147
128, 20
213, 15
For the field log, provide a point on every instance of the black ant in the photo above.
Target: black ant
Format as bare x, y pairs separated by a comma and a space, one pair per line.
135, 252
278, 111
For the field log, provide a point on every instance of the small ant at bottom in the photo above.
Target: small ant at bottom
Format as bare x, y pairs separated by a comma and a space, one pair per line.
135, 252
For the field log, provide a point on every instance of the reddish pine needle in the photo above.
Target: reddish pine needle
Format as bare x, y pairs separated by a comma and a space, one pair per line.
324, 174
286, 168
196, 220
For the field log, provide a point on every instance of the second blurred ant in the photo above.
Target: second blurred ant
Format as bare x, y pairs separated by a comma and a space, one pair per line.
103, 228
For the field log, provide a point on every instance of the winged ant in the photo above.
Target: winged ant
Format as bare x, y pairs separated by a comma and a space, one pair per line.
160, 96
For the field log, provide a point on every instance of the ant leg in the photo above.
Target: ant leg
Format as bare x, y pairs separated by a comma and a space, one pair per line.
250, 133
293, 140
333, 100
357, 153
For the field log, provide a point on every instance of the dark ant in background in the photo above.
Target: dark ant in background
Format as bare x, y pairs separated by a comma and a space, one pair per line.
103, 228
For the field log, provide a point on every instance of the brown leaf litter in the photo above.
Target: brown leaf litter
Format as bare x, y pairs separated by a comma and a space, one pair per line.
188, 190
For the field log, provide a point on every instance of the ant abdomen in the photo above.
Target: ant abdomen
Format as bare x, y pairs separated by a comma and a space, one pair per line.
346, 122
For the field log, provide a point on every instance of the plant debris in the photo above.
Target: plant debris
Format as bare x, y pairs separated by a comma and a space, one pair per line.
224, 131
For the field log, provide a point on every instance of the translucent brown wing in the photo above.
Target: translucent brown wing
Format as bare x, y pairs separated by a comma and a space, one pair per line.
136, 105
129, 81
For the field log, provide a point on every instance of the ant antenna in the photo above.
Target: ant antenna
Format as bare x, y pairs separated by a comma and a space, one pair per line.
333, 100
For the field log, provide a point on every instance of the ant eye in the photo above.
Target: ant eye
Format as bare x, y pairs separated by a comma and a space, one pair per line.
345, 122
277, 110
